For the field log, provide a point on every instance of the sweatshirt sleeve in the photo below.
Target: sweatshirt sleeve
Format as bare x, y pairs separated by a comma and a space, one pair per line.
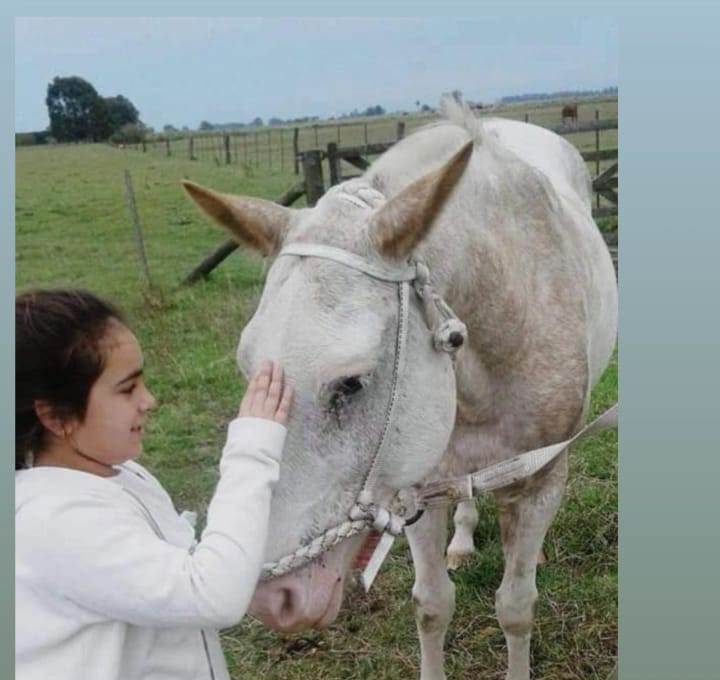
102, 553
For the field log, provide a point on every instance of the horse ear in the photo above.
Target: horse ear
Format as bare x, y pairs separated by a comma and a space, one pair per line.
253, 222
405, 219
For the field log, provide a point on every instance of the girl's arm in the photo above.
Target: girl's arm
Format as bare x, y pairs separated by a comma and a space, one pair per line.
101, 553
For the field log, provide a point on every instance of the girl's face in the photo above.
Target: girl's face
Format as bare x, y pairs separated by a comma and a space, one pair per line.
118, 404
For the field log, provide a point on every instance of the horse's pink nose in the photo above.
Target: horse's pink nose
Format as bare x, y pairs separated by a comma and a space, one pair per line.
280, 604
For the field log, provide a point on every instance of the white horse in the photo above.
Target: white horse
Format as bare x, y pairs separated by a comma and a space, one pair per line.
500, 213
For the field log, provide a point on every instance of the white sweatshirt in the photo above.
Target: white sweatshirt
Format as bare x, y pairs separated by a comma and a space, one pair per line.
99, 595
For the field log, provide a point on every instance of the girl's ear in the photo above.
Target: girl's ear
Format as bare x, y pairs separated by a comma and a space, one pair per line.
49, 420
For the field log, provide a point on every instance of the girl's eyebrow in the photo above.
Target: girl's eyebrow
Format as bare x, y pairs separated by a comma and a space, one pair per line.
132, 376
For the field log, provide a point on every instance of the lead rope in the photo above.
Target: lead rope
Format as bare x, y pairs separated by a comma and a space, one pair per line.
438, 493
510, 471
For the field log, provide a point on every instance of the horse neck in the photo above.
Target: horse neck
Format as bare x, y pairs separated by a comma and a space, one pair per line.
478, 278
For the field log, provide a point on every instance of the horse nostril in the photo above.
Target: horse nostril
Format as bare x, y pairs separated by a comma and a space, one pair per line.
456, 339
286, 603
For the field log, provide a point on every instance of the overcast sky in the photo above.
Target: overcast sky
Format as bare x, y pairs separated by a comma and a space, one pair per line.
182, 71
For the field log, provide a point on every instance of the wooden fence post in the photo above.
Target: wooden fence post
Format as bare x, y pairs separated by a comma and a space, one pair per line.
313, 173
269, 148
316, 136
257, 149
228, 157
191, 149
400, 130
167, 146
334, 164
296, 150
282, 150
137, 230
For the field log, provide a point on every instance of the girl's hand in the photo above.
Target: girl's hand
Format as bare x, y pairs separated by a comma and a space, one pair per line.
267, 396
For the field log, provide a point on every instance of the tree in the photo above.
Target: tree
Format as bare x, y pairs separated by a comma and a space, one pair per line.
121, 112
257, 122
76, 110
204, 125
169, 128
374, 111
101, 126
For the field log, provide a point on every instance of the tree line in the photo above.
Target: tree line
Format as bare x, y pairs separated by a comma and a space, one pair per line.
78, 113
562, 94
275, 121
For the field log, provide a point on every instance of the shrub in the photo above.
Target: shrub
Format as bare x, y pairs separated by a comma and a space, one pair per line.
130, 133
32, 138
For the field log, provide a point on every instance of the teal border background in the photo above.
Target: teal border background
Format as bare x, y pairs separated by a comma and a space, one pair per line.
7, 351
670, 331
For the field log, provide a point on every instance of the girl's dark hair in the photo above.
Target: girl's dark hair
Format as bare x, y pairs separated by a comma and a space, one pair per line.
58, 358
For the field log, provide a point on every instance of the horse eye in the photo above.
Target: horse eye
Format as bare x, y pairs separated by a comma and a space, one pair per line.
350, 385
341, 390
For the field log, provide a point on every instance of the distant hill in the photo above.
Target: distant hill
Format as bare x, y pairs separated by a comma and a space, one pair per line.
562, 94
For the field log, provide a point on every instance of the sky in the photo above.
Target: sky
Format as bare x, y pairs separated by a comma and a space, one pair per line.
181, 71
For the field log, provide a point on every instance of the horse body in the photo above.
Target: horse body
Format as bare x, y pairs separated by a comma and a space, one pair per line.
516, 254
513, 250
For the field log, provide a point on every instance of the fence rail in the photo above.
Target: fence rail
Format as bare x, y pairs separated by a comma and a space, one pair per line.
278, 148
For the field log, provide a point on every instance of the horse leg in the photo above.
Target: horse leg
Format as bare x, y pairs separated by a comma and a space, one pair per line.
525, 517
461, 546
433, 591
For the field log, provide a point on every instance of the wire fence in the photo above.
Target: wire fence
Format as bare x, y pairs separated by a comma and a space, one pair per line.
594, 132
276, 148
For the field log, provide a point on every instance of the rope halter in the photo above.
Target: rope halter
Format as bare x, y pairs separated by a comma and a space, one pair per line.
448, 334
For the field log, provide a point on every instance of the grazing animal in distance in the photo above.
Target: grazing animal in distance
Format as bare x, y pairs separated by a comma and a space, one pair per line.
569, 113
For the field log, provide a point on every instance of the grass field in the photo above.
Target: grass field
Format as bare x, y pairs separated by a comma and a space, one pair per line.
73, 229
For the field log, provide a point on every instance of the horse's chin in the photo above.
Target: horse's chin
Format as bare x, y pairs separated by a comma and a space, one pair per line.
309, 597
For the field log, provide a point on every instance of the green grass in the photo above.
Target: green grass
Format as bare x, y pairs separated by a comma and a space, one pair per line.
73, 229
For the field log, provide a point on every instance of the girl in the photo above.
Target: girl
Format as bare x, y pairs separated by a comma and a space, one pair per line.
110, 582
